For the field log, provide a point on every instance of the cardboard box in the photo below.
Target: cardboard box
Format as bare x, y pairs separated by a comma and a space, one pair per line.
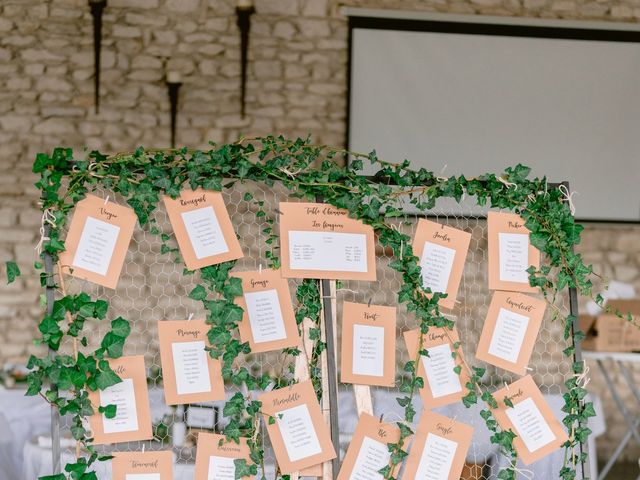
609, 333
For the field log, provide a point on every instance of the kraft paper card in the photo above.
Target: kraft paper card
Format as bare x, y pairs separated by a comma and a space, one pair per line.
538, 431
203, 228
215, 457
133, 418
439, 449
510, 331
189, 373
368, 451
320, 241
510, 253
97, 241
442, 385
142, 466
368, 353
269, 322
442, 251
298, 433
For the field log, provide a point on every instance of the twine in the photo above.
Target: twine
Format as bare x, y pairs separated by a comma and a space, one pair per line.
47, 218
568, 197
507, 184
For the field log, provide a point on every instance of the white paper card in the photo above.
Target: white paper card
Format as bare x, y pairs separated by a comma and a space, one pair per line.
372, 457
200, 417
221, 468
204, 232
191, 367
436, 264
368, 350
142, 476
437, 458
508, 335
298, 434
530, 425
439, 367
514, 257
341, 252
96, 245
122, 395
265, 316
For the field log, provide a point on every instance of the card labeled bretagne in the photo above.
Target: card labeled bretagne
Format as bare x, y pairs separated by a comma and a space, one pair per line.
97, 241
297, 430
216, 456
202, 227
142, 465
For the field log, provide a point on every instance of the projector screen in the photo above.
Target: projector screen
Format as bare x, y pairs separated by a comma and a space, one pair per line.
474, 98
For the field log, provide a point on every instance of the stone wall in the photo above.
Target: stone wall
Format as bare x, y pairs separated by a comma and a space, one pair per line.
296, 86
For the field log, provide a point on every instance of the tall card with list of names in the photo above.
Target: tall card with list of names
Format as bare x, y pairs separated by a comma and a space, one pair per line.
538, 431
321, 241
297, 431
189, 373
142, 465
131, 397
97, 241
215, 456
202, 227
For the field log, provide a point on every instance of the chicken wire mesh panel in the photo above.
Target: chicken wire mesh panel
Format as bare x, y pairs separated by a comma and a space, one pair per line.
152, 288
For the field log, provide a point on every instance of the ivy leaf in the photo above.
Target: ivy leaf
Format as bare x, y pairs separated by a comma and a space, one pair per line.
106, 378
13, 271
198, 293
120, 327
109, 411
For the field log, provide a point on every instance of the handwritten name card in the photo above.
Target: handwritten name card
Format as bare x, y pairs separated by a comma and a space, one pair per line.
368, 344
439, 449
131, 397
298, 433
538, 431
510, 331
97, 242
442, 385
203, 228
510, 253
190, 375
142, 466
268, 322
320, 241
216, 456
442, 251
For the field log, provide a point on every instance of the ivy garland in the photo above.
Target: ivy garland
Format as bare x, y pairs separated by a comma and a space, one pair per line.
307, 171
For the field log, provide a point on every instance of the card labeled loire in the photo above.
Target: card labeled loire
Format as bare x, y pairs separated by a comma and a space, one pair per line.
320, 241
189, 373
538, 431
203, 228
510, 331
97, 242
368, 353
298, 433
442, 385
215, 456
510, 253
439, 449
368, 451
142, 465
442, 251
131, 397
269, 322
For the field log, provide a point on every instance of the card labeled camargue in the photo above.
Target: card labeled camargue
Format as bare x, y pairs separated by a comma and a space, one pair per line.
368, 344
442, 251
131, 397
510, 331
442, 385
320, 241
142, 466
203, 229
190, 375
538, 431
269, 322
510, 253
215, 456
368, 451
298, 433
97, 242
439, 449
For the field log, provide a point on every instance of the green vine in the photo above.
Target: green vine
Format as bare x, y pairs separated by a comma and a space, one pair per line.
307, 171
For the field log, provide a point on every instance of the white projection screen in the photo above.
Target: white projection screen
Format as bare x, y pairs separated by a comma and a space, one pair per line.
460, 97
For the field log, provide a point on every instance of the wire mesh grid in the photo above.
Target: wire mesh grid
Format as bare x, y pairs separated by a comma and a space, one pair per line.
152, 288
